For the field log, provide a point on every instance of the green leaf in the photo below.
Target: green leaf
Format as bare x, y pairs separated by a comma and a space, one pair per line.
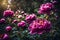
35, 10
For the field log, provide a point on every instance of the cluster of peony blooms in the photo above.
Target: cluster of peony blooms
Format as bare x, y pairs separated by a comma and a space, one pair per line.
39, 26
36, 25
45, 8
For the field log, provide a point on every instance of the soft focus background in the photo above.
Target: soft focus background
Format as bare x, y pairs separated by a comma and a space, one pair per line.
29, 7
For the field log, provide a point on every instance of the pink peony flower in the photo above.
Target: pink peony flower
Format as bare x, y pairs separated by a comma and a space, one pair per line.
8, 13
21, 24
14, 21
2, 20
45, 8
5, 37
8, 28
30, 18
39, 26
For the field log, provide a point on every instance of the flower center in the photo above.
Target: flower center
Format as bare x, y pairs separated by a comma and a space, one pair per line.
41, 22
